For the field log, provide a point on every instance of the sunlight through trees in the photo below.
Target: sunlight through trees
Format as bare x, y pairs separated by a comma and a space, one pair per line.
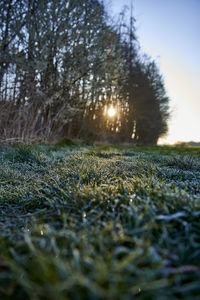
111, 112
62, 62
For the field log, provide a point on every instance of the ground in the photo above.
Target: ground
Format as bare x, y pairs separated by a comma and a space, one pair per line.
104, 222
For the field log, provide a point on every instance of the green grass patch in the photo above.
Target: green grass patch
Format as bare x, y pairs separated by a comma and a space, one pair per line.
105, 222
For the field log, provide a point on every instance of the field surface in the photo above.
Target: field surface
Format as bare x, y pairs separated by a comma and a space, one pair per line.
99, 222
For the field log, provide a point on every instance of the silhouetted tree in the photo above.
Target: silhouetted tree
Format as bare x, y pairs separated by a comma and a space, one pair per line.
148, 105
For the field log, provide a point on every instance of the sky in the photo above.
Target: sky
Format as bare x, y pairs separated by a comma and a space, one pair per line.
169, 31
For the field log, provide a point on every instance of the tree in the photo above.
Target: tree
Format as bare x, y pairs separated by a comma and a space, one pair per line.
147, 103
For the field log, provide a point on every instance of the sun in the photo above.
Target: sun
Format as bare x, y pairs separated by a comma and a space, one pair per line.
111, 112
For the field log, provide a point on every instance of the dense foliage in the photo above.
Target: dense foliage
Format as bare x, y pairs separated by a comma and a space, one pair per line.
63, 64
99, 223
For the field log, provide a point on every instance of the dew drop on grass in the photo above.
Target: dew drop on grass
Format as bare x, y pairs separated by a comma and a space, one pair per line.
117, 201
133, 196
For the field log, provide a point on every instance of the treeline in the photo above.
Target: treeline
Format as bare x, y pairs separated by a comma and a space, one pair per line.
63, 64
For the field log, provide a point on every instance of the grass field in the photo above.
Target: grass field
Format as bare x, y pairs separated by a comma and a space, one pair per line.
99, 223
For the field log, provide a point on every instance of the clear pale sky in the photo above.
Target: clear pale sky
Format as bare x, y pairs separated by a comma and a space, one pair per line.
169, 31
